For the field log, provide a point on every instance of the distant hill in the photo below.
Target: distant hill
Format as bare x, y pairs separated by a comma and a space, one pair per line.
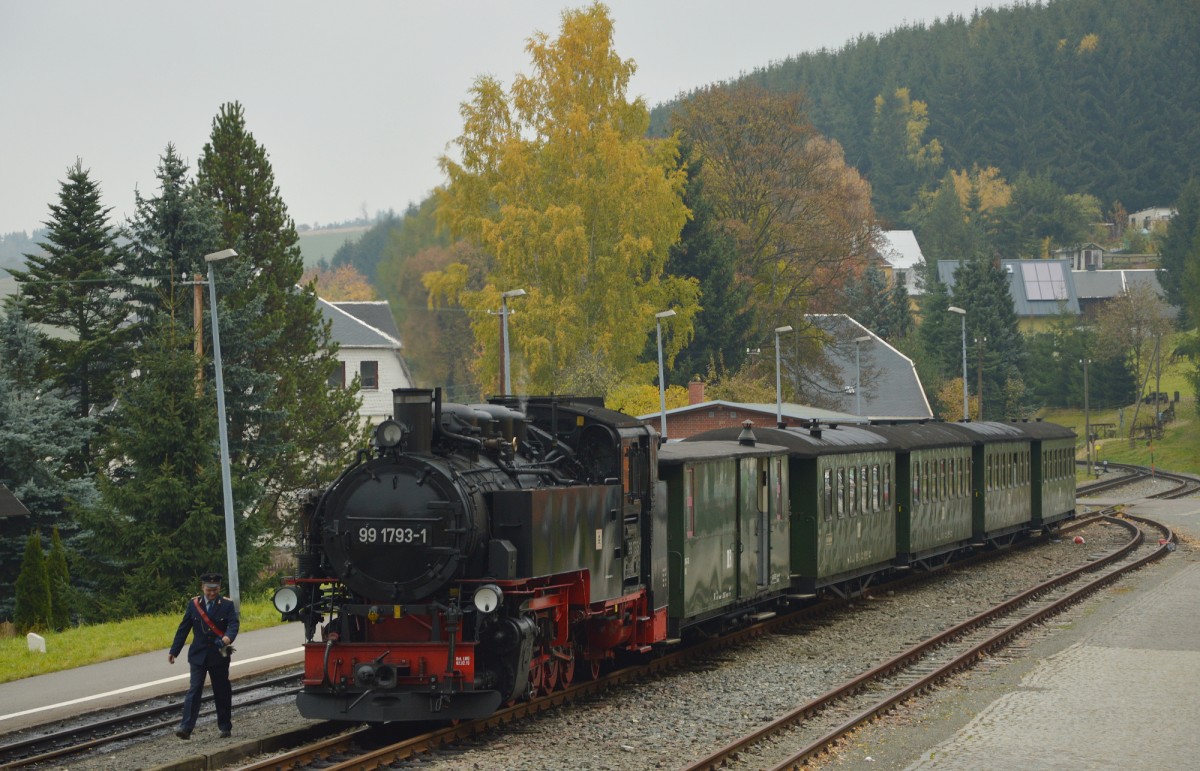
1103, 95
318, 245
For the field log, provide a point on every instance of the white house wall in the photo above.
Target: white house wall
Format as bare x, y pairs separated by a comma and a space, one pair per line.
376, 404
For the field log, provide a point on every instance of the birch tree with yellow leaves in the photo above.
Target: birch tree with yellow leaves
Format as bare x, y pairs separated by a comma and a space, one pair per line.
557, 183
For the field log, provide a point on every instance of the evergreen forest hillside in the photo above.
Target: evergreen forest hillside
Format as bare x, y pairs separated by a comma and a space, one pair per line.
1101, 95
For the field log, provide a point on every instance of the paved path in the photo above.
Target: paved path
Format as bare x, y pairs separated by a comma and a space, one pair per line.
37, 700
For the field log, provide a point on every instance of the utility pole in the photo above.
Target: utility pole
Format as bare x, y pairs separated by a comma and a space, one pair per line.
980, 344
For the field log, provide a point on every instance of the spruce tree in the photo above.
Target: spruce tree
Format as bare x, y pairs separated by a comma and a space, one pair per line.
707, 253
37, 431
1179, 260
981, 287
278, 346
32, 613
59, 576
74, 287
161, 520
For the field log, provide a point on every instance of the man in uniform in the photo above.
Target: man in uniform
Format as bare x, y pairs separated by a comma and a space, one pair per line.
213, 622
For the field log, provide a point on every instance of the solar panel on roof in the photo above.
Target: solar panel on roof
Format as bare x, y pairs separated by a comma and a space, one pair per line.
1044, 280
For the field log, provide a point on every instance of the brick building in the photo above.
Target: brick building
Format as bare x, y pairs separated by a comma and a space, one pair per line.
700, 415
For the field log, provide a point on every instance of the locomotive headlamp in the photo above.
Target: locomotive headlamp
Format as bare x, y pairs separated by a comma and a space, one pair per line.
286, 599
487, 598
388, 434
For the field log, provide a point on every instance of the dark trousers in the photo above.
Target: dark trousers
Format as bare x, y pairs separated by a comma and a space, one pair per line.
218, 674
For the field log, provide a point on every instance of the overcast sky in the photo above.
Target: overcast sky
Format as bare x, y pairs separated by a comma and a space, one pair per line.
353, 101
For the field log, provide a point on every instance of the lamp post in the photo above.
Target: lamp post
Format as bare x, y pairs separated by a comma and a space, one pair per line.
963, 313
858, 341
778, 383
505, 380
1087, 419
662, 387
226, 484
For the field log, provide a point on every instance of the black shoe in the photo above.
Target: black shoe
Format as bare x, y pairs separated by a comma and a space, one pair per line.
226, 734
183, 734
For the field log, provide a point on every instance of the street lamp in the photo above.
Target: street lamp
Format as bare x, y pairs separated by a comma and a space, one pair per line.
1087, 419
506, 382
662, 387
963, 313
858, 341
226, 484
778, 386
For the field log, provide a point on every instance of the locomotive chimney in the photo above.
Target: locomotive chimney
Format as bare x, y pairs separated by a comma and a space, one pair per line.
747, 438
413, 409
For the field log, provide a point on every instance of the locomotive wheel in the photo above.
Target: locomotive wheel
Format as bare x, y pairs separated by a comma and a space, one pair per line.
535, 676
550, 673
567, 669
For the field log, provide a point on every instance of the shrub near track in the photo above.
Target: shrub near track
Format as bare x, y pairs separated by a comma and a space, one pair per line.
83, 645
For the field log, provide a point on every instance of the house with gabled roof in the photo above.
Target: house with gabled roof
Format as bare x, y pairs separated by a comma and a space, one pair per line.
901, 257
1040, 289
369, 347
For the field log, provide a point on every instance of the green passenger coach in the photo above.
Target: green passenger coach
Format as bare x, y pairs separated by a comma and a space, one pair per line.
727, 527
843, 524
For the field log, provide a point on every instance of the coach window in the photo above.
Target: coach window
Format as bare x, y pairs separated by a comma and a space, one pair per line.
916, 483
864, 494
852, 492
690, 503
930, 495
887, 486
764, 484
875, 492
827, 496
780, 514
841, 493
953, 478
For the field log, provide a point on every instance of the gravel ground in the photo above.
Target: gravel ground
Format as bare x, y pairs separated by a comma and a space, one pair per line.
668, 721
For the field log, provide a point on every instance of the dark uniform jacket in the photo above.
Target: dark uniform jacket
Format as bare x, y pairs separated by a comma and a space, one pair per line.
206, 645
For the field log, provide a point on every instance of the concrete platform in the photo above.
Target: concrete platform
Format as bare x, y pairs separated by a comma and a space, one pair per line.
70, 693
1112, 684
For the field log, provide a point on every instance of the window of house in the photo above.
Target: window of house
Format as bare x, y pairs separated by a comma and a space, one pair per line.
369, 372
337, 378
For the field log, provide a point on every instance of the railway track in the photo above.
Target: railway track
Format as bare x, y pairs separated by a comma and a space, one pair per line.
366, 748
59, 745
813, 728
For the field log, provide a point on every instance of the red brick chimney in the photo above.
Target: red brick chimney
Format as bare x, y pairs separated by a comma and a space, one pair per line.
695, 392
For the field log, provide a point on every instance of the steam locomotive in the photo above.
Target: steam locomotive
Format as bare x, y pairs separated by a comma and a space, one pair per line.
482, 554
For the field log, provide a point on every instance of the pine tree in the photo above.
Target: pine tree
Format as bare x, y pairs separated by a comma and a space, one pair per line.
285, 419
981, 288
37, 430
1179, 259
74, 287
59, 576
33, 607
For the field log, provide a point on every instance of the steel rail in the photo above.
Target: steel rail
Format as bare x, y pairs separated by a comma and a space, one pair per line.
959, 662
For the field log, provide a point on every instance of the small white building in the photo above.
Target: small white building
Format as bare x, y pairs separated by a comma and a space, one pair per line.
369, 347
1146, 219
901, 252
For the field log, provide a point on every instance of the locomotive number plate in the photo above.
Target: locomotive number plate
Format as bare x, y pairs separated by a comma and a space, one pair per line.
400, 535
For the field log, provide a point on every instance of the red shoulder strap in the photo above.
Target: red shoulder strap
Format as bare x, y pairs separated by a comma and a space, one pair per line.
205, 618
